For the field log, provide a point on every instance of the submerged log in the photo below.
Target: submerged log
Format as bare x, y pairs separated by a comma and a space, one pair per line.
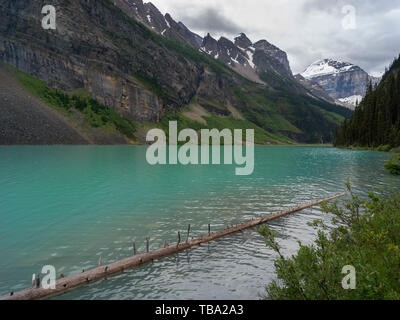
66, 284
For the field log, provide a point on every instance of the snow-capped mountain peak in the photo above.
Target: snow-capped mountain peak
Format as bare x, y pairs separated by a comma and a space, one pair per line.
327, 67
343, 81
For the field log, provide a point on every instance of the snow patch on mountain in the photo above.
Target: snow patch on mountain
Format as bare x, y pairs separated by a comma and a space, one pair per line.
166, 21
250, 60
326, 67
352, 100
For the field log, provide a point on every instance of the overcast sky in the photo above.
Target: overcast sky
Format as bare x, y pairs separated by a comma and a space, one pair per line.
308, 30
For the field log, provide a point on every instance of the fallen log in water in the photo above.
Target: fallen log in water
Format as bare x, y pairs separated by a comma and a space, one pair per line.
66, 284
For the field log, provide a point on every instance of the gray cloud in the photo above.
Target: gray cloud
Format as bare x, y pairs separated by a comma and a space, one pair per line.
318, 5
363, 6
211, 20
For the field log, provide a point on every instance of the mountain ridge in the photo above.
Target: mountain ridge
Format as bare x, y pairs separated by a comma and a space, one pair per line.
248, 58
148, 14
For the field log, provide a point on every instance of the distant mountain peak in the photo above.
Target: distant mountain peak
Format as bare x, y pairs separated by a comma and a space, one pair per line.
242, 41
343, 81
210, 45
225, 40
326, 67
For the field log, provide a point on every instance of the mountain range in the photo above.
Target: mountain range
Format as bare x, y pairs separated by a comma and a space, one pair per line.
337, 82
124, 56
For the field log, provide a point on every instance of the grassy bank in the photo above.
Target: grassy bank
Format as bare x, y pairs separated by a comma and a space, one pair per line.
365, 235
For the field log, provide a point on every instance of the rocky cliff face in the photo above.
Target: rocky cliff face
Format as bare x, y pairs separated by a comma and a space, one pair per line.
268, 56
314, 88
343, 81
96, 48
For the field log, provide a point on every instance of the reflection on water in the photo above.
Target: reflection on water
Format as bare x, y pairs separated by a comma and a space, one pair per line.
69, 206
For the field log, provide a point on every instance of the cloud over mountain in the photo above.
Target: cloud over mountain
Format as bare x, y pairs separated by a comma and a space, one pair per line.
213, 20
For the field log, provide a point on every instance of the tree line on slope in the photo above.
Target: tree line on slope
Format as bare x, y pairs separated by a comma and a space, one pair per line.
376, 120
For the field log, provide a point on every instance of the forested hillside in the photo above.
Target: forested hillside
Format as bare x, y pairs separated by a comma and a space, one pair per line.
376, 120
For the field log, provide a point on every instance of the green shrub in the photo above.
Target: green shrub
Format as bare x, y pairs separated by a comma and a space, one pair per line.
384, 148
393, 164
365, 235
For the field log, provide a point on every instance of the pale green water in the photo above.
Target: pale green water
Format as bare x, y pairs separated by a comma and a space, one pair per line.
67, 206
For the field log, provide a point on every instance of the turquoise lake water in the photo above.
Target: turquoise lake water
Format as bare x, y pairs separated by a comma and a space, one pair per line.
69, 206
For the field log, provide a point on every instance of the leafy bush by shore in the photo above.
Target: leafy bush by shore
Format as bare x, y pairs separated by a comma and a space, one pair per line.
393, 164
384, 148
365, 235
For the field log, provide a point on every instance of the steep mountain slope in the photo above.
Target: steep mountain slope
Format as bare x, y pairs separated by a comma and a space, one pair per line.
149, 78
26, 120
343, 81
376, 121
314, 88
